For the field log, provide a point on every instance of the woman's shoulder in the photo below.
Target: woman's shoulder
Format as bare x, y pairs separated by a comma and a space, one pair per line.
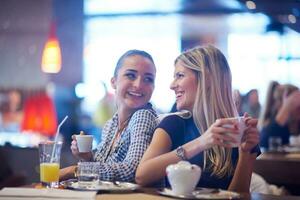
172, 122
180, 116
143, 118
172, 118
144, 113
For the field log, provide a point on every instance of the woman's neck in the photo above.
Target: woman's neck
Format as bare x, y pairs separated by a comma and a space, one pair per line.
124, 115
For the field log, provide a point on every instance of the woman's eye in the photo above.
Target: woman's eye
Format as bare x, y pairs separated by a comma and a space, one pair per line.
179, 75
149, 79
131, 76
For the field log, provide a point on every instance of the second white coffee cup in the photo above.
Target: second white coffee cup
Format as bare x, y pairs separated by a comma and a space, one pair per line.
84, 143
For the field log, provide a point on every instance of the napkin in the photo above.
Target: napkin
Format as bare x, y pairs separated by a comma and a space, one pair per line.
36, 194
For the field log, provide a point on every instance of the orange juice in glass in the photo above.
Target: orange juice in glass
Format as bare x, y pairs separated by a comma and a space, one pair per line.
49, 163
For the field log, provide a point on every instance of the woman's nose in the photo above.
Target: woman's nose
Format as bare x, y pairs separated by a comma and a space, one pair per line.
173, 85
137, 82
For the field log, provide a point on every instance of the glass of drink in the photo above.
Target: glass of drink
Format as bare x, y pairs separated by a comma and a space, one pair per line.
88, 174
49, 163
275, 143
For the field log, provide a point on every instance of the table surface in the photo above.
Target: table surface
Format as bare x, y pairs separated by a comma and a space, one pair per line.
149, 194
280, 156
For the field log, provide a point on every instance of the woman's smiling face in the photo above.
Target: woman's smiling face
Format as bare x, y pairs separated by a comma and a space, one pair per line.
185, 87
134, 83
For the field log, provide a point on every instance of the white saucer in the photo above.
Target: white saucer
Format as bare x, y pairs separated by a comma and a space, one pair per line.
203, 193
169, 192
103, 186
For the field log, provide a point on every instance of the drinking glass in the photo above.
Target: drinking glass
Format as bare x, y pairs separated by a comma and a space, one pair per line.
275, 143
49, 163
88, 174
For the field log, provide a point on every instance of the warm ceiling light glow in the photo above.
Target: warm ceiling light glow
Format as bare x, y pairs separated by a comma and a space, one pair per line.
51, 60
292, 19
250, 5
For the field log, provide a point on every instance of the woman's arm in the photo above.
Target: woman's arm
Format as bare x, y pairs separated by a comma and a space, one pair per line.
242, 175
158, 155
67, 173
156, 159
289, 105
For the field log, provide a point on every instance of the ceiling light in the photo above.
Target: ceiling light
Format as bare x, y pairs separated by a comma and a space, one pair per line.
292, 19
250, 5
51, 59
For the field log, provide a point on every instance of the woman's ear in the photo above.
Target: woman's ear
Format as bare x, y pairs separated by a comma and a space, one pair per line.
113, 83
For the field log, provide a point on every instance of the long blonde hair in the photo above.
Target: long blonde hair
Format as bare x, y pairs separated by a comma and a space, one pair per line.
213, 100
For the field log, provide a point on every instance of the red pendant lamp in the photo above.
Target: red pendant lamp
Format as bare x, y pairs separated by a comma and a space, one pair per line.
51, 60
39, 114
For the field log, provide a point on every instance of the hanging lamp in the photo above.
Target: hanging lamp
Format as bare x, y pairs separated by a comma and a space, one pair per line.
51, 60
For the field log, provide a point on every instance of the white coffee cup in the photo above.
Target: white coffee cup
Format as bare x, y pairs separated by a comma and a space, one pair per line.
84, 143
241, 128
183, 177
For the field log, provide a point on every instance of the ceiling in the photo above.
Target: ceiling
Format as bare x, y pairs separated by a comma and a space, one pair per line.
281, 12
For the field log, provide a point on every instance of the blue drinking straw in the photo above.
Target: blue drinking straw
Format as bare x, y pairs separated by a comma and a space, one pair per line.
56, 137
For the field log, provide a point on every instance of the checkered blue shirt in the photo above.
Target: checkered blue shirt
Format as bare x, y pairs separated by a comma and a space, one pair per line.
120, 164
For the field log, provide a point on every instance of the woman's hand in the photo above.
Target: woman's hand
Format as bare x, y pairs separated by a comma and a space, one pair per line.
291, 102
74, 148
218, 133
251, 134
67, 173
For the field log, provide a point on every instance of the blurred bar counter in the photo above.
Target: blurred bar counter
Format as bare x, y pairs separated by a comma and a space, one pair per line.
18, 139
281, 169
19, 154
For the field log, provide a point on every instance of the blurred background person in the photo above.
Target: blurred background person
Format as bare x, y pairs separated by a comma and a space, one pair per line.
106, 108
238, 100
11, 111
281, 115
251, 103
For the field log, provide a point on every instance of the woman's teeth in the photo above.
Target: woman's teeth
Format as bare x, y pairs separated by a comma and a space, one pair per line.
135, 94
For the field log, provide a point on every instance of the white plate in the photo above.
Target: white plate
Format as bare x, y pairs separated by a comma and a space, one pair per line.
203, 193
103, 186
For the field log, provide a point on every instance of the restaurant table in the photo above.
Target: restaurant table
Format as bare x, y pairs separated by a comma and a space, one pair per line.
150, 193
281, 169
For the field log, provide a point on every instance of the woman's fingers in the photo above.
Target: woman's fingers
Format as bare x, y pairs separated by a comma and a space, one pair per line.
214, 137
246, 115
74, 147
225, 121
251, 122
226, 129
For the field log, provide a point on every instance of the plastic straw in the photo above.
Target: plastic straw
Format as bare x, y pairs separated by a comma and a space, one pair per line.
56, 137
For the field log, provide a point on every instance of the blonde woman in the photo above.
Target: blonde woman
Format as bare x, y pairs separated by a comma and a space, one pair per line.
202, 85
281, 116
